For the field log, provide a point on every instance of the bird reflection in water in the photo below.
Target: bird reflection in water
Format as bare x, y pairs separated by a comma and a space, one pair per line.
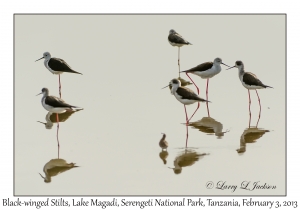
186, 158
163, 156
163, 145
183, 82
51, 118
210, 126
250, 135
55, 167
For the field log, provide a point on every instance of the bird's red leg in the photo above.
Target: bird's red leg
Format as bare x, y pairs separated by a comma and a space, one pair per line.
249, 108
259, 108
187, 135
59, 86
207, 98
193, 83
187, 132
195, 111
57, 120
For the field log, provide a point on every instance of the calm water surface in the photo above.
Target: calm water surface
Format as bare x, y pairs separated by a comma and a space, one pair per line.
114, 140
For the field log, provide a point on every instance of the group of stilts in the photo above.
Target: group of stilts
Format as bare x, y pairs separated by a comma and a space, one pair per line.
206, 71
54, 104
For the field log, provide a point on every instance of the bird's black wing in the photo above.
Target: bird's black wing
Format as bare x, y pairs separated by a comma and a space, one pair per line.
201, 67
186, 93
176, 38
251, 79
58, 64
56, 102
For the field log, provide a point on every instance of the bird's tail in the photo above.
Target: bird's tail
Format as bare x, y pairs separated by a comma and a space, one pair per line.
76, 108
75, 72
185, 71
268, 86
203, 100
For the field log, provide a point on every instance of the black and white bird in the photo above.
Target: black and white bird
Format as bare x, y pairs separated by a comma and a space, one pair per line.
176, 40
56, 66
250, 82
205, 71
54, 104
184, 95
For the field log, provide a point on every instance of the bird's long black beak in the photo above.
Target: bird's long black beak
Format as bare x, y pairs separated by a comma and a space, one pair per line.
42, 122
39, 94
225, 64
166, 86
39, 59
231, 67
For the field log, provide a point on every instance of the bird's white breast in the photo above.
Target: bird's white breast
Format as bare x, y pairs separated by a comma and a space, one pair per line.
53, 109
214, 70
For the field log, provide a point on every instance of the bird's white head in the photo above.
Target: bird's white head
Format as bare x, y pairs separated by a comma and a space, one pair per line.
46, 55
45, 92
175, 83
218, 61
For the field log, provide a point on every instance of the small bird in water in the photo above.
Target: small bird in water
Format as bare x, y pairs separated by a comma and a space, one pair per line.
163, 143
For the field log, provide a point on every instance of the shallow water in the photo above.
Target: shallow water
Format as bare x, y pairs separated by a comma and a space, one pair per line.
114, 140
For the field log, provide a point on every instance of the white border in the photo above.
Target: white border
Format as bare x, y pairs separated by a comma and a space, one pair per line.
154, 6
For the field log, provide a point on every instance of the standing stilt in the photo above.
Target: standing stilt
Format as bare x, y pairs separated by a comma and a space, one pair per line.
184, 95
206, 70
57, 119
249, 81
249, 108
259, 108
59, 86
176, 40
